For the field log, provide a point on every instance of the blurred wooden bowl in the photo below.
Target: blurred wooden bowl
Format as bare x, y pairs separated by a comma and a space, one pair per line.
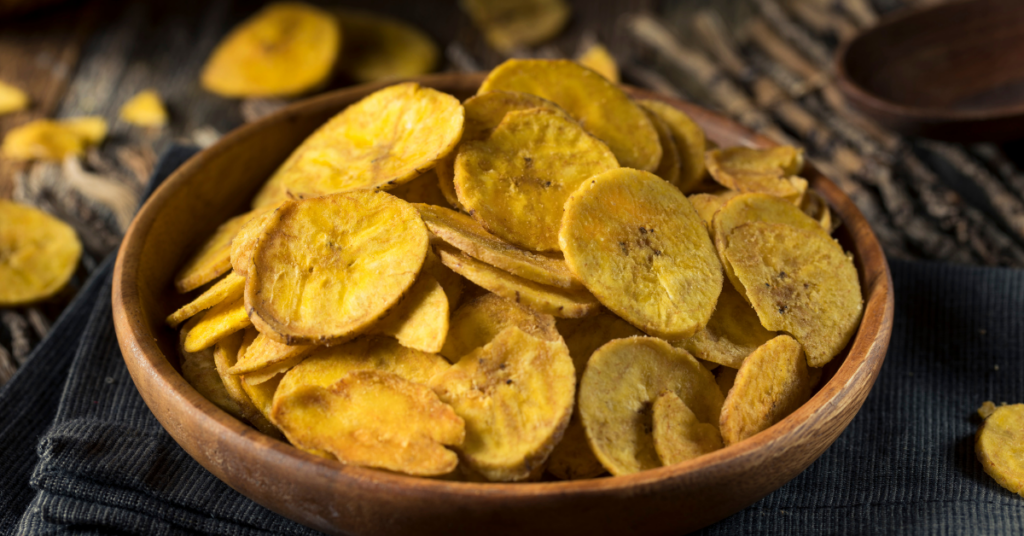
952, 72
336, 498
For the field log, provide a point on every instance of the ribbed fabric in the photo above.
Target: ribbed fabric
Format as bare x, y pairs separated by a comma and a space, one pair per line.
905, 465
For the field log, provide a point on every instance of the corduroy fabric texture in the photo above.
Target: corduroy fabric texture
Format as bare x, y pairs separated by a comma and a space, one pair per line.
83, 455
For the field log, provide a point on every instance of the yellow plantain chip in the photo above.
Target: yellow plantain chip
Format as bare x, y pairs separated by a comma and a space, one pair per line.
678, 435
225, 353
422, 189
508, 25
390, 137
768, 171
800, 282
451, 282
669, 167
420, 320
707, 204
245, 239
12, 99
200, 370
272, 371
999, 445
771, 384
285, 49
597, 58
725, 377
516, 181
483, 114
815, 206
516, 395
38, 254
379, 48
622, 380
262, 394
213, 257
601, 107
327, 268
689, 139
53, 140
471, 238
91, 129
753, 207
572, 458
216, 323
481, 319
227, 289
554, 301
145, 109
265, 352
374, 419
637, 243
733, 332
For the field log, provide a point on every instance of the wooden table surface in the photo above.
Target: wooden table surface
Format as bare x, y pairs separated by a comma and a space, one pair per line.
766, 63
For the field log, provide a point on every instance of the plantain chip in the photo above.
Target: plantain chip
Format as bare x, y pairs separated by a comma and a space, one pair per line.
508, 25
216, 323
481, 319
422, 189
800, 282
622, 380
245, 239
265, 352
516, 395
816, 207
53, 140
733, 332
601, 107
225, 352
678, 435
213, 257
374, 419
637, 243
38, 254
471, 238
227, 289
380, 48
725, 377
572, 458
999, 445
12, 99
283, 50
771, 384
689, 139
769, 171
516, 181
327, 268
560, 302
707, 204
451, 282
597, 58
145, 109
200, 370
669, 167
262, 394
420, 320
390, 137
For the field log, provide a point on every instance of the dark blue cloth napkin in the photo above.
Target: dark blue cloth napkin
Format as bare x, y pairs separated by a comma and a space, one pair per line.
82, 454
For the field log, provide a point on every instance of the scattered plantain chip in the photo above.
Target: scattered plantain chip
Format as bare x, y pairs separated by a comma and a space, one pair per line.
733, 332
285, 49
999, 445
481, 319
639, 246
771, 384
216, 323
380, 48
678, 435
327, 268
53, 140
554, 301
689, 139
38, 254
622, 380
800, 282
597, 58
390, 137
516, 395
471, 238
214, 256
227, 289
200, 370
374, 419
604, 109
145, 109
512, 24
517, 180
420, 320
225, 352
12, 99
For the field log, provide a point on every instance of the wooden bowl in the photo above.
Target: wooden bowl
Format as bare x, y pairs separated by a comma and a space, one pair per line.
950, 72
336, 498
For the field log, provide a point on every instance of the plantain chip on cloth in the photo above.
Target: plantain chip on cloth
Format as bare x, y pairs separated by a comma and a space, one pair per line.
327, 268
38, 254
601, 107
689, 139
420, 320
508, 25
733, 332
227, 289
622, 381
374, 419
380, 48
678, 435
771, 384
516, 395
283, 50
389, 137
639, 246
999, 445
517, 180
479, 320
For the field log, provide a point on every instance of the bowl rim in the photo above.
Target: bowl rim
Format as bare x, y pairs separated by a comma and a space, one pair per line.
148, 365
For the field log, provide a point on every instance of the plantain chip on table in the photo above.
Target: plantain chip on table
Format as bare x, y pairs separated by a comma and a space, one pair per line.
38, 254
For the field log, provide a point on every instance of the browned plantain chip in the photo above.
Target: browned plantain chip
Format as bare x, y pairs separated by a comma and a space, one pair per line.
481, 319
